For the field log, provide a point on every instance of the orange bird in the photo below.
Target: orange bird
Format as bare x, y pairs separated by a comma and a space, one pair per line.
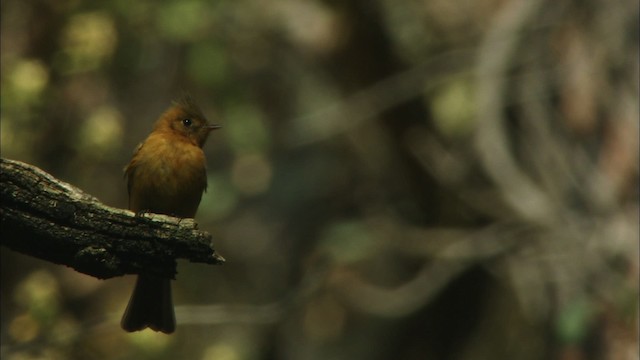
166, 175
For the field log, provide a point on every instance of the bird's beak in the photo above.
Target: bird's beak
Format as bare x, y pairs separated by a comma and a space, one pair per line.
213, 127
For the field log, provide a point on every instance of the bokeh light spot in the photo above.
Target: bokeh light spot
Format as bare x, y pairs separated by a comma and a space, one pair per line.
24, 328
88, 40
221, 352
101, 133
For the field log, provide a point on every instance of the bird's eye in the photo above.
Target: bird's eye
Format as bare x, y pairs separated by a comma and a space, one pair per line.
187, 122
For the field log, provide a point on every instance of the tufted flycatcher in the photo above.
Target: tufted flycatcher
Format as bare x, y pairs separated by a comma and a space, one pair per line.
166, 175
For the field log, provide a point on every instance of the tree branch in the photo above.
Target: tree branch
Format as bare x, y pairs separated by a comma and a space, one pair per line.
46, 218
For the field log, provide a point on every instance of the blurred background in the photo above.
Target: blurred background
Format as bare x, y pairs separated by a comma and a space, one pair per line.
417, 179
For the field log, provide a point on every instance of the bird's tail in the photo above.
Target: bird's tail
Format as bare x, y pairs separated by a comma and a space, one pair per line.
150, 306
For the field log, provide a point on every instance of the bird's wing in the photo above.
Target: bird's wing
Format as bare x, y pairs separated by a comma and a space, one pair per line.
130, 169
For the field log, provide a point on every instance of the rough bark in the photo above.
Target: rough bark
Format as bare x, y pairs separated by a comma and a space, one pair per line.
46, 218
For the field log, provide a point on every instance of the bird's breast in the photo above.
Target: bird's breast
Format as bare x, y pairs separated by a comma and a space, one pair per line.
169, 177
